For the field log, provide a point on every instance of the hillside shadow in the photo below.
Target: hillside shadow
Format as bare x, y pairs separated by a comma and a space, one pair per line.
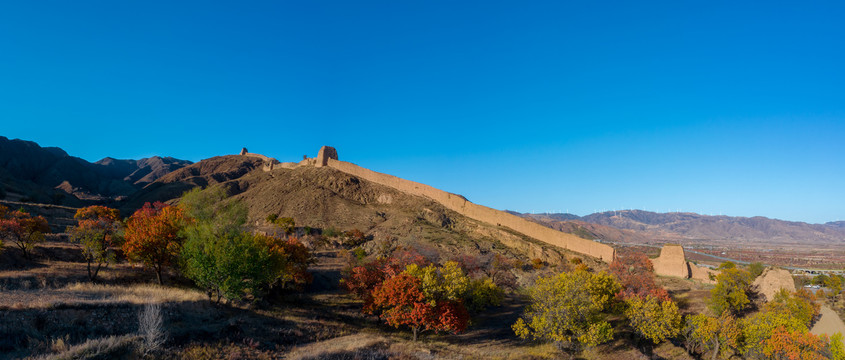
276, 327
494, 324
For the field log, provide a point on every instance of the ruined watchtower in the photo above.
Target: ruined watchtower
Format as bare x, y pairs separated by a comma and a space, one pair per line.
671, 262
326, 153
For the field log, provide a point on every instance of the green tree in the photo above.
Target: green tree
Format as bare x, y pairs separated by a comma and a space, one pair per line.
569, 309
653, 318
233, 266
731, 291
755, 269
227, 261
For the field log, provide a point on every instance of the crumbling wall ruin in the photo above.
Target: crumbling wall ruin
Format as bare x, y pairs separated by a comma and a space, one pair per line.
464, 207
326, 153
269, 163
702, 273
672, 262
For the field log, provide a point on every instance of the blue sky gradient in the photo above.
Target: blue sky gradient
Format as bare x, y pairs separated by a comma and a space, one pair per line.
710, 107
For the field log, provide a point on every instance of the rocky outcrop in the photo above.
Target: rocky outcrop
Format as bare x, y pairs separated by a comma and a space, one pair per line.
771, 281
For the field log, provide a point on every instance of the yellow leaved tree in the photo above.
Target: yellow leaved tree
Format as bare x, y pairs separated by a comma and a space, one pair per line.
652, 318
570, 310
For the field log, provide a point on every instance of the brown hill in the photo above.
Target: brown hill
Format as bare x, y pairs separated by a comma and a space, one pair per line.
323, 198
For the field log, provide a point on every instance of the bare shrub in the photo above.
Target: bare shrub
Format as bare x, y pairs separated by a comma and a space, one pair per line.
151, 328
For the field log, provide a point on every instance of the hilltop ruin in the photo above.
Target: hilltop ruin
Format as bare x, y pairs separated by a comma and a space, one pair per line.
328, 157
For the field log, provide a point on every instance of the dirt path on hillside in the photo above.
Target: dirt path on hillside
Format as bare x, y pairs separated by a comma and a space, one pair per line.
829, 323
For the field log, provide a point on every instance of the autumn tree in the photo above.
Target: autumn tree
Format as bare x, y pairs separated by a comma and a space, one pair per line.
363, 279
289, 260
3, 212
569, 309
636, 275
832, 282
402, 302
653, 318
731, 291
837, 347
792, 313
718, 335
407, 290
484, 293
23, 230
795, 345
97, 230
355, 237
152, 236
449, 283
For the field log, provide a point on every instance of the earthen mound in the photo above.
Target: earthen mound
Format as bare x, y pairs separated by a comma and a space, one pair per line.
771, 281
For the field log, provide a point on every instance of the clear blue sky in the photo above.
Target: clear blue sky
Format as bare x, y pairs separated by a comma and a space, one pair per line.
707, 106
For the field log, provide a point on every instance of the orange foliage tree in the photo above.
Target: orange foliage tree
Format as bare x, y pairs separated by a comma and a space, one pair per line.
362, 280
97, 231
152, 236
24, 230
407, 290
636, 275
402, 302
291, 258
795, 345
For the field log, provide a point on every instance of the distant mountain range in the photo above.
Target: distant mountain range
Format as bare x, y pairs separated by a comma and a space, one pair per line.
686, 227
31, 173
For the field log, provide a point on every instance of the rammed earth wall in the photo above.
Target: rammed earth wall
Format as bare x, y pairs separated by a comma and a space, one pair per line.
464, 207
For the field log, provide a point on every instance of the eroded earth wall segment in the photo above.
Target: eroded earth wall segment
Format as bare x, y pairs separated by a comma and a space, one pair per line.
464, 207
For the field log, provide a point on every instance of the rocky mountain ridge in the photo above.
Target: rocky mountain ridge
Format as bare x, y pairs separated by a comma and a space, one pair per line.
31, 173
